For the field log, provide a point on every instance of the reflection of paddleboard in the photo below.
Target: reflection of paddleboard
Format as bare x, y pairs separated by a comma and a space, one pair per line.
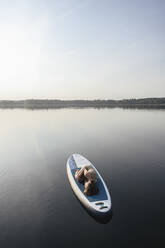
99, 203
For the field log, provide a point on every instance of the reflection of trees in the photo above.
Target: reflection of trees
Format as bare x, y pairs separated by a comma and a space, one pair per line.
47, 103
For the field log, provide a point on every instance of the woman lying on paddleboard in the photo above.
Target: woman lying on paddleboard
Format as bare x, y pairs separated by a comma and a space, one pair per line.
87, 175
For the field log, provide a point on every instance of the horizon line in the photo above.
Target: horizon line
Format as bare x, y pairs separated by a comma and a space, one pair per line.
96, 99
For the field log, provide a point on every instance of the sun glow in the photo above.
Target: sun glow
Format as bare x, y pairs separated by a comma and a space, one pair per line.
19, 56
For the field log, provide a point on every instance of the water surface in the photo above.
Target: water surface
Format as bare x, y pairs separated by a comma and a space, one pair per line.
37, 205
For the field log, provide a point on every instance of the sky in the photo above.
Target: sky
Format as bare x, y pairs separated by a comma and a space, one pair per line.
74, 49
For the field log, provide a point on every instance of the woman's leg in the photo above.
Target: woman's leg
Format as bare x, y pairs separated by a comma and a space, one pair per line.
79, 175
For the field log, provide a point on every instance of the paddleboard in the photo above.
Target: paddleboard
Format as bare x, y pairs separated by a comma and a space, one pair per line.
99, 204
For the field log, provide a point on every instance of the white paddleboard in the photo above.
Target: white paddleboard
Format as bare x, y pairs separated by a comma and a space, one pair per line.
98, 204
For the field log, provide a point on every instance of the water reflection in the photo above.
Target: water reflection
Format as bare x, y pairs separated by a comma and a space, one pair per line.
123, 106
105, 219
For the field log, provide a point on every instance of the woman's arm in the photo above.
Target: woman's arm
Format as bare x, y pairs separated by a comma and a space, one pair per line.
81, 172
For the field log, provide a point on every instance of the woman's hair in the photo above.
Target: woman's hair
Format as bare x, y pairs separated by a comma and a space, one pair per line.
91, 189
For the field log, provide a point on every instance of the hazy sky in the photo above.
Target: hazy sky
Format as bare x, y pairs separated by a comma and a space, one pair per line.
79, 49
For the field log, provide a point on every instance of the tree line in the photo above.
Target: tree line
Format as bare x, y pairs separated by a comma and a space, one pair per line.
56, 103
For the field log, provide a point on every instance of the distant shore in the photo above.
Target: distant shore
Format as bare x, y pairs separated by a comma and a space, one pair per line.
46, 104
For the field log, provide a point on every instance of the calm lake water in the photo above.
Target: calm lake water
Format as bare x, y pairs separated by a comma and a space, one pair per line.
37, 205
